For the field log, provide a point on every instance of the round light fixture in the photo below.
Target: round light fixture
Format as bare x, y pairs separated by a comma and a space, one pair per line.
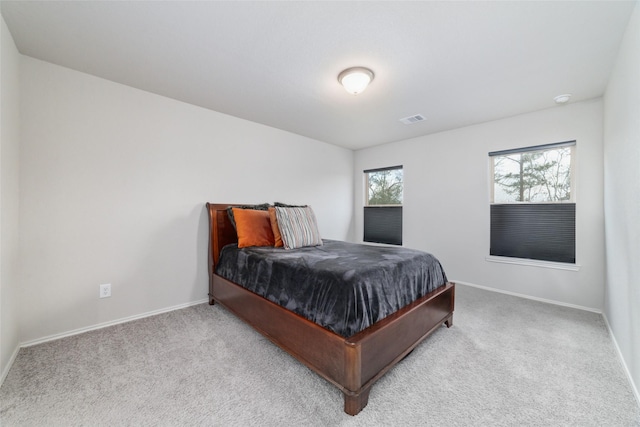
562, 99
355, 79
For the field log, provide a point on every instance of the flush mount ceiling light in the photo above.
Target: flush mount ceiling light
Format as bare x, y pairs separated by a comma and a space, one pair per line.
562, 99
355, 79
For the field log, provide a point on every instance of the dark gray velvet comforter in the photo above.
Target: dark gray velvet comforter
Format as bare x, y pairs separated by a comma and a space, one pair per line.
341, 286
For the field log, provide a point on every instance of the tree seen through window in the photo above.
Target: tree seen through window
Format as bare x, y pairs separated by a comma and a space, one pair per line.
384, 187
533, 176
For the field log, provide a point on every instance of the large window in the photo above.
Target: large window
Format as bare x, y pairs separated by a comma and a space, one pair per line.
532, 203
383, 205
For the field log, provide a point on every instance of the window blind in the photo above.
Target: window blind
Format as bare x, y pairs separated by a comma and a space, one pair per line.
388, 168
383, 224
532, 148
541, 231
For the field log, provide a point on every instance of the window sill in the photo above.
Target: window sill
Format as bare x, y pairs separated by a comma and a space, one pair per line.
534, 263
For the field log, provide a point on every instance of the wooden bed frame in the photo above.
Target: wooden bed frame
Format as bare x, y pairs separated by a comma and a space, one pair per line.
352, 364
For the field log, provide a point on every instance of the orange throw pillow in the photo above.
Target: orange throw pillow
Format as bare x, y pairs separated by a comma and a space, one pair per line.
274, 227
253, 227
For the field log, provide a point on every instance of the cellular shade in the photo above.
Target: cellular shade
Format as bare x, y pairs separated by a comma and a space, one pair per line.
539, 231
383, 224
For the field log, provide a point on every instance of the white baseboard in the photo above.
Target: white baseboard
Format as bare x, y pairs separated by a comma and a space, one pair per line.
7, 368
110, 323
548, 301
593, 310
621, 358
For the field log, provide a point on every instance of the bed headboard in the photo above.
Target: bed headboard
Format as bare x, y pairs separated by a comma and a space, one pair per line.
221, 232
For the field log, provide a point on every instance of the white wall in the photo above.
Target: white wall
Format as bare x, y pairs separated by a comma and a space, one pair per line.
113, 185
622, 198
9, 220
446, 200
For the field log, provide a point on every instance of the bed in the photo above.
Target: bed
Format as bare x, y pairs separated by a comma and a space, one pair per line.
354, 363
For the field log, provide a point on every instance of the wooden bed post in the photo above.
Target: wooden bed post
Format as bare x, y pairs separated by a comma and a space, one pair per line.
354, 403
212, 214
356, 397
221, 233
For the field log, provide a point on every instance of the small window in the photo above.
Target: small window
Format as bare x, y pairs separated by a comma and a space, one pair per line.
533, 210
383, 205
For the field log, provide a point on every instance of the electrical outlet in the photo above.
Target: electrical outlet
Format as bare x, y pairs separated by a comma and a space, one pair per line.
105, 290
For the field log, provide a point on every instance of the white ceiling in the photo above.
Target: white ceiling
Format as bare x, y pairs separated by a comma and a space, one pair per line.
276, 63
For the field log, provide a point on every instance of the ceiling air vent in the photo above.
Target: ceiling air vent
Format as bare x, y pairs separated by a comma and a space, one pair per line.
413, 119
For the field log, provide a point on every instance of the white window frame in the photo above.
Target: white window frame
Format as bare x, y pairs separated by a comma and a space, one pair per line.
531, 225
382, 222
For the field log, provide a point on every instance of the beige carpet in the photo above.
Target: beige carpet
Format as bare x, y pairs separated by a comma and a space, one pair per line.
506, 362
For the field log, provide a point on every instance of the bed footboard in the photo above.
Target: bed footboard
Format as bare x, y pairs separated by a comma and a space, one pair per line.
353, 364
379, 347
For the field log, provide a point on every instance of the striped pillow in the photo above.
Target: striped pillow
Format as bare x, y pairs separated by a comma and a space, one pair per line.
298, 227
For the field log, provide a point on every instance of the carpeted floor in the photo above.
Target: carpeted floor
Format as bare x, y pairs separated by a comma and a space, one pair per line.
506, 362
